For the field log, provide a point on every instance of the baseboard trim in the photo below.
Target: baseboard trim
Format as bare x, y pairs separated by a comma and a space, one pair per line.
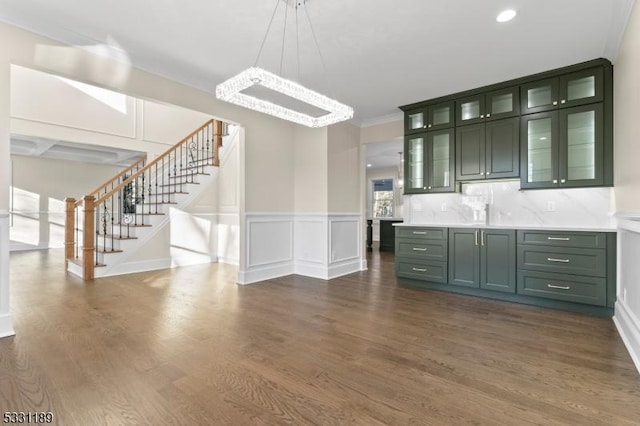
344, 268
629, 329
135, 267
229, 260
311, 269
6, 326
264, 273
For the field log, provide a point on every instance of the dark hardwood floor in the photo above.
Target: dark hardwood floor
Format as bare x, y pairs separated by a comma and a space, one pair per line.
188, 346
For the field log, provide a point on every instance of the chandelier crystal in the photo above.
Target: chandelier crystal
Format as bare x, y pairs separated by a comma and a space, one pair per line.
231, 91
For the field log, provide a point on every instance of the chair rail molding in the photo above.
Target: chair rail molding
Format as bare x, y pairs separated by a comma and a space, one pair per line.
627, 307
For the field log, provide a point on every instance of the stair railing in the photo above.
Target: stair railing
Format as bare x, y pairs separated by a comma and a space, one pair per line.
112, 211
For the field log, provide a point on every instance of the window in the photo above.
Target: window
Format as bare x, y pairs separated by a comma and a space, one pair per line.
383, 198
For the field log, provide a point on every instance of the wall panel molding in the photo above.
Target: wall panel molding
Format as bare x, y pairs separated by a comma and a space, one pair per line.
627, 307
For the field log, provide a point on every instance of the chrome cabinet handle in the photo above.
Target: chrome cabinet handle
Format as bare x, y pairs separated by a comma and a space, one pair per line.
481, 115
488, 115
563, 180
553, 259
481, 173
563, 101
420, 232
555, 181
560, 287
488, 173
476, 234
555, 102
429, 125
419, 269
559, 238
482, 238
419, 249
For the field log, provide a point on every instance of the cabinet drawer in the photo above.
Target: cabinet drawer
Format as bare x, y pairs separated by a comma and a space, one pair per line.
421, 233
420, 270
570, 288
577, 261
416, 249
563, 239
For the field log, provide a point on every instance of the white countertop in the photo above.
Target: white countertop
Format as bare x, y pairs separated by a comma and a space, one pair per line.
524, 227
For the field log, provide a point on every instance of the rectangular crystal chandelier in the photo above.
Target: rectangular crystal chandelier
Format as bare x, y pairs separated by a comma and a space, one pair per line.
231, 91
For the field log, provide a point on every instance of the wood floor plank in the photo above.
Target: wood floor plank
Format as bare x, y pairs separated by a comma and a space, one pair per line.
188, 346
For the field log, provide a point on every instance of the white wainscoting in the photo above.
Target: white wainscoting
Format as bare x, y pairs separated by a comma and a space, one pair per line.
315, 245
6, 325
627, 309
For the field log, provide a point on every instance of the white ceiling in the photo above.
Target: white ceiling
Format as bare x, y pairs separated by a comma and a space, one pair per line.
379, 53
384, 154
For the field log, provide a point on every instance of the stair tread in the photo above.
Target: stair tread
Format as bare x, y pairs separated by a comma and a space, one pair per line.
178, 183
117, 237
189, 175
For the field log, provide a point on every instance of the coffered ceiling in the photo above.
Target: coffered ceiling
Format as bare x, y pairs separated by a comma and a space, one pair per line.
379, 54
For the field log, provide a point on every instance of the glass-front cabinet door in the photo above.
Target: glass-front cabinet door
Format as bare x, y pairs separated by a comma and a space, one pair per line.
470, 110
415, 121
440, 116
539, 153
414, 163
440, 161
582, 87
502, 103
581, 153
539, 96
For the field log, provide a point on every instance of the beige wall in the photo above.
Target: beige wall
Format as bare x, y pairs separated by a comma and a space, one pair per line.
45, 105
626, 122
382, 132
311, 185
343, 141
40, 186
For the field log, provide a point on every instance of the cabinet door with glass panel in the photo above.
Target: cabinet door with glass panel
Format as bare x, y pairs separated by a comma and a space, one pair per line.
415, 152
440, 161
577, 88
563, 149
494, 105
432, 117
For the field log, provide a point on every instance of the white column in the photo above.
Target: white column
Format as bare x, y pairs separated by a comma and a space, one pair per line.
6, 326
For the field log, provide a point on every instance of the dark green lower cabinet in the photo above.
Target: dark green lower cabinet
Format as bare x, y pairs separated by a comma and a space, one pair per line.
464, 257
483, 258
498, 260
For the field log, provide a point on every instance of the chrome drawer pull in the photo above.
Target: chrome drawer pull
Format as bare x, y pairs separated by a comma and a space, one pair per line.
420, 232
419, 249
551, 259
419, 269
559, 238
559, 287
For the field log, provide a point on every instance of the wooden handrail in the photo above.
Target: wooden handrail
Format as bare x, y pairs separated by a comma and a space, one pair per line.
156, 160
96, 191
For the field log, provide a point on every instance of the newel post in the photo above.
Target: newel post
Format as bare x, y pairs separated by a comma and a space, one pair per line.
69, 228
217, 141
88, 237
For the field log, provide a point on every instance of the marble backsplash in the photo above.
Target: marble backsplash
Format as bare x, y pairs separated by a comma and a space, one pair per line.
506, 205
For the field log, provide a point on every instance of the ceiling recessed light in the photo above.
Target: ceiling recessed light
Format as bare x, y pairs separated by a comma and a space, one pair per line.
506, 15
368, 165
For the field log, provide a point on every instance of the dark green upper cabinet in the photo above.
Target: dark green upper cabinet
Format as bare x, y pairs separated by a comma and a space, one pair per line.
488, 150
431, 117
414, 163
488, 106
440, 161
577, 88
563, 149
552, 130
429, 162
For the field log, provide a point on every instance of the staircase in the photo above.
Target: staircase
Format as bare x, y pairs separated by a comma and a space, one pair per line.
115, 220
